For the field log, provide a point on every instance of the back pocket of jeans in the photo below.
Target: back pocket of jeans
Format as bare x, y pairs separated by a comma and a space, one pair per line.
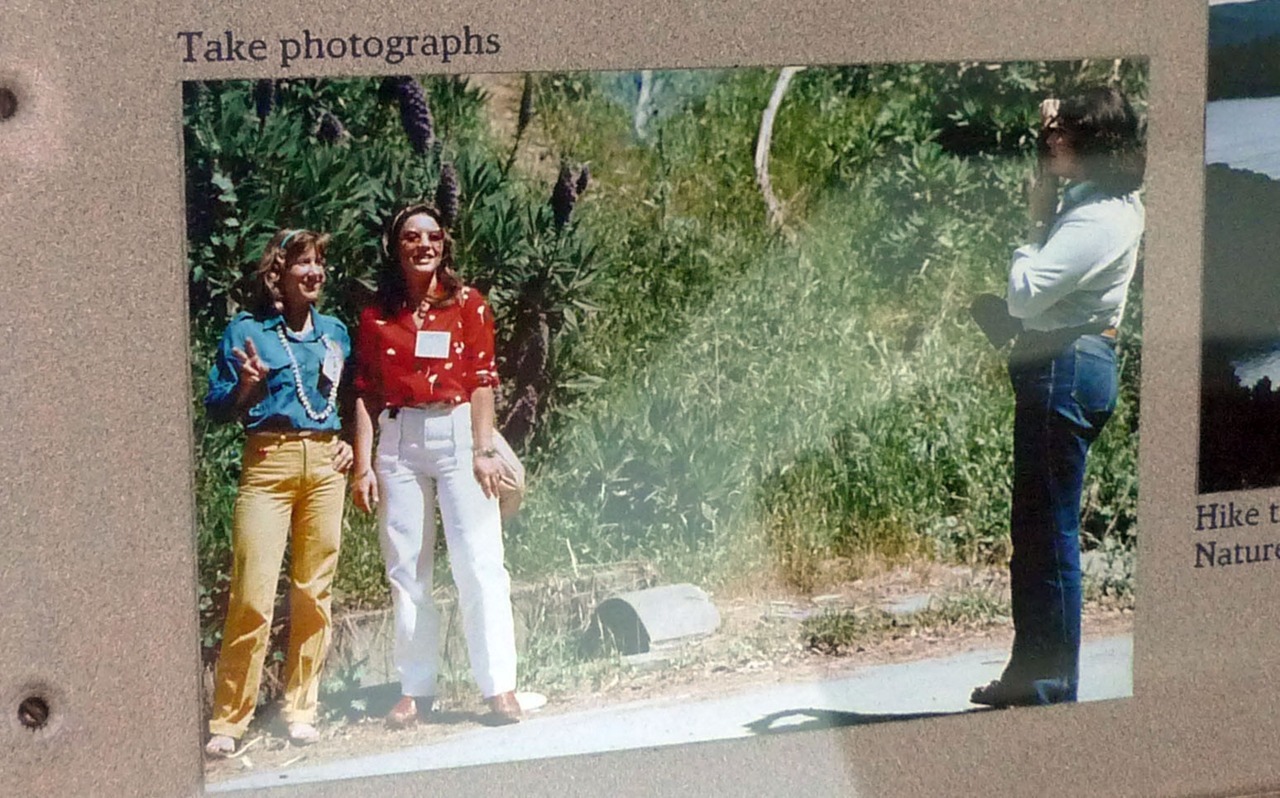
1094, 383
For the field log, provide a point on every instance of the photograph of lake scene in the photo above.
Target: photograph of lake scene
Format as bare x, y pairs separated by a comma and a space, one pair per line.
1240, 371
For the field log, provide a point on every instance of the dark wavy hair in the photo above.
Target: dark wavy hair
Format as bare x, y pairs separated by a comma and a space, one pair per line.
1107, 137
392, 293
261, 296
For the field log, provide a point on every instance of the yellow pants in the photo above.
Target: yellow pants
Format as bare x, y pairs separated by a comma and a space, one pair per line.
289, 493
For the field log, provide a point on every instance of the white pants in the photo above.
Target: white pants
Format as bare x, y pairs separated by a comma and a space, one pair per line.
424, 456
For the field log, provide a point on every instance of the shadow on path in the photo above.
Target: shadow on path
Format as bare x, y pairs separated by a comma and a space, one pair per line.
810, 719
375, 702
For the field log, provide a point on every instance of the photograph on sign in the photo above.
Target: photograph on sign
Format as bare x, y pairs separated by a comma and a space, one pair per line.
1240, 343
554, 413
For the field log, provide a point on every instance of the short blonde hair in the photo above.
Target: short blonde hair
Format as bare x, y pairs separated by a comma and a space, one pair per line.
284, 248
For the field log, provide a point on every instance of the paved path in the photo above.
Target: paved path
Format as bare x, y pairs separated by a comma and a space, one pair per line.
875, 694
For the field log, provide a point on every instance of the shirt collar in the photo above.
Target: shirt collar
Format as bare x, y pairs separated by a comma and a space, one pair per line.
405, 316
1077, 193
276, 320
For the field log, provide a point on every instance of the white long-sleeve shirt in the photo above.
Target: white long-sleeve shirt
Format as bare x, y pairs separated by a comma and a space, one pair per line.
1081, 274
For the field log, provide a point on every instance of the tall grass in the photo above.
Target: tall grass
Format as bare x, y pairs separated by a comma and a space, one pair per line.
726, 402
773, 408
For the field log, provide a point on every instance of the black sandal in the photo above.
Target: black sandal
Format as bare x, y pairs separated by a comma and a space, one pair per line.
999, 694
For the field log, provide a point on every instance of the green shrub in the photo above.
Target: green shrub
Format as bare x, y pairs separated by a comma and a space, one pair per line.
700, 392
254, 166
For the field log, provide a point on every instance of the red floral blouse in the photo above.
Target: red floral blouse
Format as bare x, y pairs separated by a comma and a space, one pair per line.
398, 366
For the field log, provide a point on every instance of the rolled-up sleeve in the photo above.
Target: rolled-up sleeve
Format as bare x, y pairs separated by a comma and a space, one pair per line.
224, 376
478, 361
1080, 244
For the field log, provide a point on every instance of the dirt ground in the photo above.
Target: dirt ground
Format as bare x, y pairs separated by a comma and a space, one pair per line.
760, 642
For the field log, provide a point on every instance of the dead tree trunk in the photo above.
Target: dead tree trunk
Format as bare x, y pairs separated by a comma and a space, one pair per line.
641, 118
764, 139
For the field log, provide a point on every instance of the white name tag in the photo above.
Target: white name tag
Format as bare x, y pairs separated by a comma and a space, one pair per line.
332, 367
431, 344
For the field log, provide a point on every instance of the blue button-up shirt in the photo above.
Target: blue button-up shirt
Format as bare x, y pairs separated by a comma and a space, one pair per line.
280, 406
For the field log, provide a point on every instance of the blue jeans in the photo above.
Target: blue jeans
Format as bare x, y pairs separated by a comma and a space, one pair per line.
1065, 389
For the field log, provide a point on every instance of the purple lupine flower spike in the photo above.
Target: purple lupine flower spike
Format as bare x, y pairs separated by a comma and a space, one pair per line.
526, 106
415, 115
584, 179
264, 97
563, 196
447, 195
331, 129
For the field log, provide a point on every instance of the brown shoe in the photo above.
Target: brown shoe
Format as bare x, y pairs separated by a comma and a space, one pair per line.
504, 709
404, 714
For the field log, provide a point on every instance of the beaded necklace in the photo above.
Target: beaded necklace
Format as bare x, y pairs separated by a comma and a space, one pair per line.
297, 378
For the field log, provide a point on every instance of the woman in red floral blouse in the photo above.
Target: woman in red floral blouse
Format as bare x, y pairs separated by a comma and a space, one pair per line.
425, 370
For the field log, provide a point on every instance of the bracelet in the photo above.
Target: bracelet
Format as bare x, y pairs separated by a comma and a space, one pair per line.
490, 452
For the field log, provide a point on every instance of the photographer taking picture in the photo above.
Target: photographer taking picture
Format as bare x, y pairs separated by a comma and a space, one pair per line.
1066, 298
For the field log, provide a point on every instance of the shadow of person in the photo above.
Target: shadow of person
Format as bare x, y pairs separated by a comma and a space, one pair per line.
376, 701
451, 717
810, 719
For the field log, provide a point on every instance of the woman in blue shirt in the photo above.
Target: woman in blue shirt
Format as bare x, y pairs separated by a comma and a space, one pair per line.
1067, 292
277, 371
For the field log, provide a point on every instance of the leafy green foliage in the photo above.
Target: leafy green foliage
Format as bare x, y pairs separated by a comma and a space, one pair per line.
763, 406
689, 387
256, 166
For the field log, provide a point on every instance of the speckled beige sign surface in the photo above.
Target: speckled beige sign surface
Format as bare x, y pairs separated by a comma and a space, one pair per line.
97, 567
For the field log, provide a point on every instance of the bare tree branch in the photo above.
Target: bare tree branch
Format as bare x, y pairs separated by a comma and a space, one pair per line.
764, 139
643, 112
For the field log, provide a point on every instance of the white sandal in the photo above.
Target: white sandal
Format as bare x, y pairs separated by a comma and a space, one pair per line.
303, 734
220, 746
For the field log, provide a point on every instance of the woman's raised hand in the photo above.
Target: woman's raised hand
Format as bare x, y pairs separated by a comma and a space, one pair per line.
252, 369
1042, 187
